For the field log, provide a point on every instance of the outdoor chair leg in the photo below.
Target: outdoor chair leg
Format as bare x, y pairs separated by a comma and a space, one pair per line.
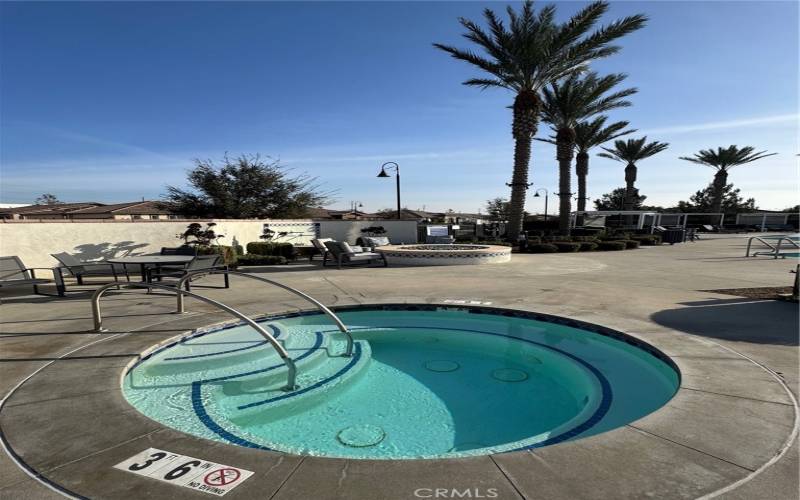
227, 280
79, 277
58, 277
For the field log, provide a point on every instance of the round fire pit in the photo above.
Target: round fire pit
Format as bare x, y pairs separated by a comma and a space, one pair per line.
444, 255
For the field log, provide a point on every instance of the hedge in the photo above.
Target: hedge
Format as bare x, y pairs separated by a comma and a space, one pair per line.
611, 245
647, 239
261, 260
588, 246
631, 244
271, 248
567, 246
228, 253
542, 248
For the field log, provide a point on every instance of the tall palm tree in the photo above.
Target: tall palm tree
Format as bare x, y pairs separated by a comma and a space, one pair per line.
590, 134
565, 104
631, 152
525, 56
723, 160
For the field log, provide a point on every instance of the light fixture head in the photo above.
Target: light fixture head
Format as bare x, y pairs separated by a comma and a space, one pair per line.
536, 194
383, 173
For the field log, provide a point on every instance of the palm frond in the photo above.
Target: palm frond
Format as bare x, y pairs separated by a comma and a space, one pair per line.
727, 158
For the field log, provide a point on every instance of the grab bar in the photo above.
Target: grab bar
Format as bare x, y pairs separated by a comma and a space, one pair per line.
98, 321
339, 324
750, 242
776, 250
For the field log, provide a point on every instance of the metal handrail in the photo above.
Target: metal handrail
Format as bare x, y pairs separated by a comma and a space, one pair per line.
98, 321
776, 250
339, 324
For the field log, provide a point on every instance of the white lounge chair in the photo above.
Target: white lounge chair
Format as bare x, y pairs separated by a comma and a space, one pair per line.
345, 254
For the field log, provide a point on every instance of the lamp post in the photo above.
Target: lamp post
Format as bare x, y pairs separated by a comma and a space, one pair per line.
396, 167
546, 194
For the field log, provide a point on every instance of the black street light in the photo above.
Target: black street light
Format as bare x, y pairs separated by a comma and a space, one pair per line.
546, 194
396, 167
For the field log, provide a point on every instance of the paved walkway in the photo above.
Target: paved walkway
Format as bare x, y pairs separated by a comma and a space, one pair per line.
726, 433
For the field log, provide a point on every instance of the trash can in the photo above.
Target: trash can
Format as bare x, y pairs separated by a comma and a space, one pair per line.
673, 236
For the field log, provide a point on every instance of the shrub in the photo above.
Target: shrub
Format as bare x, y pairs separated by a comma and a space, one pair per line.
588, 246
270, 248
567, 246
629, 244
611, 245
583, 238
534, 240
542, 248
647, 239
228, 253
261, 260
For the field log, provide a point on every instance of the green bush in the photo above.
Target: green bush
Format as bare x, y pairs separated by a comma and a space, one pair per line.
611, 245
228, 253
567, 246
271, 248
534, 240
583, 238
261, 260
542, 248
630, 244
647, 239
588, 246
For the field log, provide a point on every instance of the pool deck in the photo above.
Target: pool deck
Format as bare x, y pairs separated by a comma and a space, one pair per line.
730, 432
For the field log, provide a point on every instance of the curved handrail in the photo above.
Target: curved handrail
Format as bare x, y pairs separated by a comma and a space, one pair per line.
750, 242
776, 250
320, 305
98, 321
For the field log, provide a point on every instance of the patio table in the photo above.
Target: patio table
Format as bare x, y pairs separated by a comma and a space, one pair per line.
151, 260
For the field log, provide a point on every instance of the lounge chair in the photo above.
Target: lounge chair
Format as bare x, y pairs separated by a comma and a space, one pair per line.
345, 254
201, 262
14, 273
80, 270
319, 248
372, 242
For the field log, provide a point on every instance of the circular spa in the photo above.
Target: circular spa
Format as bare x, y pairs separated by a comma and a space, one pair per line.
422, 382
444, 254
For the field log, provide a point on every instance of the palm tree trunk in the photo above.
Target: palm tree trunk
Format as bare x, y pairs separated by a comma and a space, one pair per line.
582, 170
565, 147
630, 190
720, 181
523, 128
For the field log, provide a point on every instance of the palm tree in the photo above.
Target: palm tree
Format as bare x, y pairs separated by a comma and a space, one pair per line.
525, 56
723, 160
589, 134
565, 104
631, 152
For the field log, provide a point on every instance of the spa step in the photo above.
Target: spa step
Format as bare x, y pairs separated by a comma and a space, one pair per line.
243, 400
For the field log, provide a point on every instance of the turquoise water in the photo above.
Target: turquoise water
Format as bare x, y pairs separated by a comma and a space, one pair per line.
439, 383
786, 249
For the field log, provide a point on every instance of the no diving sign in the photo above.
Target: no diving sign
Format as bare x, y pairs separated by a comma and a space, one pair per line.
189, 472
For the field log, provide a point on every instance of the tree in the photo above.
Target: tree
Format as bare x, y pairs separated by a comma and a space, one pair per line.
615, 200
497, 209
723, 160
631, 152
202, 236
242, 188
704, 201
590, 134
530, 53
47, 199
795, 209
565, 104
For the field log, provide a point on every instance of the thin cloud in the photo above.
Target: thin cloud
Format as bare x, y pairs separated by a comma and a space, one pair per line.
745, 122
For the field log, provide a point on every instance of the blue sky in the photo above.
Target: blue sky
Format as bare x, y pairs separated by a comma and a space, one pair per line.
111, 101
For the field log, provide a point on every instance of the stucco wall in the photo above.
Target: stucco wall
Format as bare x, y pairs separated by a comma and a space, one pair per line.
97, 240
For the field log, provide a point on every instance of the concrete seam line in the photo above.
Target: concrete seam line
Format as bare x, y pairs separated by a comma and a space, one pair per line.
786, 445
32, 473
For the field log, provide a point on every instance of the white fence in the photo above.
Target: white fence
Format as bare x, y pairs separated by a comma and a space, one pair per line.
34, 241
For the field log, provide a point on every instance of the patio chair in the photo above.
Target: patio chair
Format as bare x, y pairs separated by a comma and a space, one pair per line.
345, 254
373, 241
184, 250
201, 262
80, 270
319, 248
14, 273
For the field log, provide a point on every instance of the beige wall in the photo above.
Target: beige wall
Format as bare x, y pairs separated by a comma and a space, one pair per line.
97, 240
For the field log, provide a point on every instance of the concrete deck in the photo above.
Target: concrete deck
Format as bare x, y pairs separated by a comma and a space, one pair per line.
730, 432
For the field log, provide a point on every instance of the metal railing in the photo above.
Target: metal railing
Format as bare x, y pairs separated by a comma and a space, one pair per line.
775, 250
185, 280
98, 321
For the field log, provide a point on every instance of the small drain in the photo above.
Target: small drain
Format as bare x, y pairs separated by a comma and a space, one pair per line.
442, 365
509, 375
361, 436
